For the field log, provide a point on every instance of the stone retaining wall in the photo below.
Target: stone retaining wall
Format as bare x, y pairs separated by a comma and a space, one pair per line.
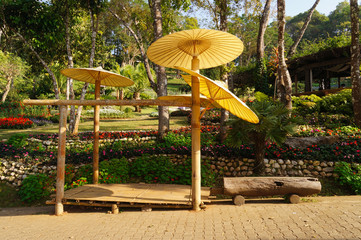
14, 173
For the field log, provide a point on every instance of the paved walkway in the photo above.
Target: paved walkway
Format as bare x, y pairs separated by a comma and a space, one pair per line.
317, 218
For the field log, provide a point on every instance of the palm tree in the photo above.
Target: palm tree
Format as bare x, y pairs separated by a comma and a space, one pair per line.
139, 75
274, 126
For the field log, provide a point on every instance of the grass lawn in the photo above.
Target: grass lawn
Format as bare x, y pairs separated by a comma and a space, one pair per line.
139, 121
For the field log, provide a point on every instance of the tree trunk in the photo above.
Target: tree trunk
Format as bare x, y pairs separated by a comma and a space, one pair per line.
94, 25
259, 149
70, 89
303, 29
224, 74
355, 62
284, 84
163, 124
262, 29
262, 78
137, 97
7, 89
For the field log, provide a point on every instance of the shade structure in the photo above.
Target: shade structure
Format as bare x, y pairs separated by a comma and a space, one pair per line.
216, 91
97, 76
90, 75
187, 99
195, 49
211, 47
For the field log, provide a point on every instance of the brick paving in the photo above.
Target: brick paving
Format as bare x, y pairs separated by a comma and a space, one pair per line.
317, 218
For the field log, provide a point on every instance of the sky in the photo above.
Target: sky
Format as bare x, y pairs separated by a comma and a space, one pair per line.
294, 7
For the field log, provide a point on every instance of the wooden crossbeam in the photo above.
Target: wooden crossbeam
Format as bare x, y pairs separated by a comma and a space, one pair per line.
106, 102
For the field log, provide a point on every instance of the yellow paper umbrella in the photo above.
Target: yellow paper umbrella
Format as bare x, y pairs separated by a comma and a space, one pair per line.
211, 47
217, 91
98, 76
195, 49
91, 75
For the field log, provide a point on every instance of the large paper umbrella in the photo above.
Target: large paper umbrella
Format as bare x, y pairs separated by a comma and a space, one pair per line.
216, 91
98, 76
211, 47
91, 75
195, 49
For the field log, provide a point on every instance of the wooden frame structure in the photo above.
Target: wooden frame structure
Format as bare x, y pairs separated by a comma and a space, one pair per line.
63, 108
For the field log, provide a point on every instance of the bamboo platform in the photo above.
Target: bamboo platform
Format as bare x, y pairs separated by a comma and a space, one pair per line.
132, 195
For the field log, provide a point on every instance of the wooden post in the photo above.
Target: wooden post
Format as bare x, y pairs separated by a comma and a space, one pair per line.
196, 139
308, 80
96, 135
60, 175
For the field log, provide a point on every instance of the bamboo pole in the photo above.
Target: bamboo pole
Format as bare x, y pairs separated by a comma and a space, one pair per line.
144, 102
96, 134
196, 139
60, 176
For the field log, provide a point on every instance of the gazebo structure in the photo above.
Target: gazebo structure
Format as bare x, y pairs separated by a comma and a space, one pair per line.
321, 67
195, 49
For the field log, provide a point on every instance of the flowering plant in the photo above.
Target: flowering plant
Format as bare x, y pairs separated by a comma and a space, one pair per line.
15, 123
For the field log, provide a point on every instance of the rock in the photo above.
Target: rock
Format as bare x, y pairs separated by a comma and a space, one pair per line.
303, 142
288, 162
276, 165
316, 163
323, 164
280, 161
328, 169
331, 164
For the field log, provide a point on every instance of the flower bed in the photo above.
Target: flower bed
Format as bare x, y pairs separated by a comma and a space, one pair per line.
15, 123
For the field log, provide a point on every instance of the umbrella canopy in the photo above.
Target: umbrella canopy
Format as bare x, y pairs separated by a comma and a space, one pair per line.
211, 47
90, 75
221, 95
187, 99
97, 76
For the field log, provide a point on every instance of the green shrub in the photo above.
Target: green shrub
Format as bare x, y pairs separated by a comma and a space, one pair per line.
338, 103
349, 175
176, 140
114, 171
36, 187
152, 169
18, 140
85, 171
160, 169
306, 104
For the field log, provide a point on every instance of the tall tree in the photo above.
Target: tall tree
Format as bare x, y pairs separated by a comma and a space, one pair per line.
262, 29
355, 62
94, 7
127, 20
36, 24
163, 124
261, 81
284, 83
303, 29
12, 68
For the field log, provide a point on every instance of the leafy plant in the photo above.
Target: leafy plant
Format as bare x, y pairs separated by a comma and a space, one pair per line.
275, 123
114, 171
338, 103
349, 175
35, 187
18, 140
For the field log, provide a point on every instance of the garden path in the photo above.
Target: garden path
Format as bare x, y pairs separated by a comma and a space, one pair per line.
318, 218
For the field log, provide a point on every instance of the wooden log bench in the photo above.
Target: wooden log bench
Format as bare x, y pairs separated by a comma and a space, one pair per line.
291, 187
